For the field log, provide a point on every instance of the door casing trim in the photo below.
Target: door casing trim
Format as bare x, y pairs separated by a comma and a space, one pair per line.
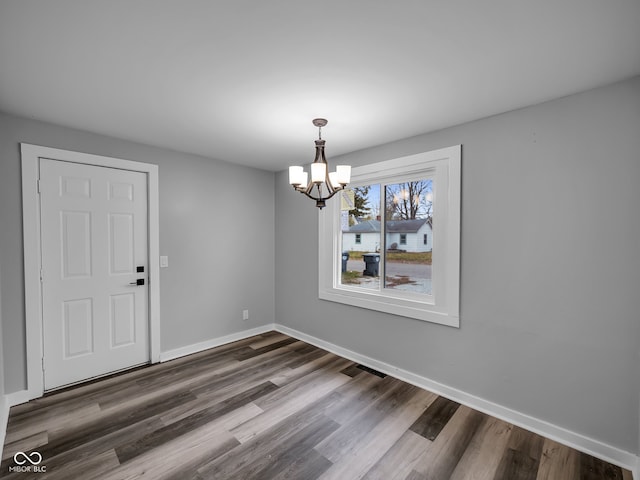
31, 155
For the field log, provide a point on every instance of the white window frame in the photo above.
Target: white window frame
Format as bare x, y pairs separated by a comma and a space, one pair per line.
442, 306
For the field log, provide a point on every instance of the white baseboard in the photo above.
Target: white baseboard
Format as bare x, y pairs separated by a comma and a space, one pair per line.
21, 396
575, 440
214, 342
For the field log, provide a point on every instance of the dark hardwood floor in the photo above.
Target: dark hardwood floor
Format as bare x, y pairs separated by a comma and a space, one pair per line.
272, 407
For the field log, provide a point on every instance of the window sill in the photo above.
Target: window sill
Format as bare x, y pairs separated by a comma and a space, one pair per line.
402, 307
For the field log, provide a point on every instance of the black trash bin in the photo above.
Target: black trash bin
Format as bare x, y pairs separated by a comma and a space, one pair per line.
371, 263
345, 257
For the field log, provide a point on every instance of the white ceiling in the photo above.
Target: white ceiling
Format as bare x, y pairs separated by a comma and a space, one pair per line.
240, 80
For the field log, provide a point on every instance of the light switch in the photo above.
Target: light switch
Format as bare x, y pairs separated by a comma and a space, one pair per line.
164, 261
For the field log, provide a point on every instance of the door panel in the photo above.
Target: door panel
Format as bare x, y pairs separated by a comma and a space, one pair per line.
122, 316
94, 235
121, 243
77, 331
76, 244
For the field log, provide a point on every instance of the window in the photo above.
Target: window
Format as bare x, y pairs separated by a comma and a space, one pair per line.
396, 203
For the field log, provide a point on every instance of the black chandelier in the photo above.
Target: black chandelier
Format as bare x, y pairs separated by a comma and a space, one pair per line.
323, 185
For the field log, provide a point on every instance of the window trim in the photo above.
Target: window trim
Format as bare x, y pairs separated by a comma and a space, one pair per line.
442, 307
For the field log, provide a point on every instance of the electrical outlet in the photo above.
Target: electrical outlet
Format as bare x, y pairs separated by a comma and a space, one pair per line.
245, 315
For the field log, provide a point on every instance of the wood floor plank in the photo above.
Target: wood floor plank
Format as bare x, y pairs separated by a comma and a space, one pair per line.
290, 454
352, 370
74, 437
254, 352
350, 434
398, 462
444, 453
592, 468
271, 407
293, 372
306, 356
312, 379
170, 460
372, 388
288, 407
204, 401
263, 342
522, 456
226, 466
558, 461
257, 367
227, 383
189, 469
374, 445
482, 457
415, 475
350, 397
97, 465
311, 465
49, 421
306, 348
433, 420
239, 416
203, 417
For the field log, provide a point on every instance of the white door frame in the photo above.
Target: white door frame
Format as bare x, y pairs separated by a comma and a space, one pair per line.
32, 253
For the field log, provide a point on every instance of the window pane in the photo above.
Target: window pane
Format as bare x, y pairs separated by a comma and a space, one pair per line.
408, 235
361, 240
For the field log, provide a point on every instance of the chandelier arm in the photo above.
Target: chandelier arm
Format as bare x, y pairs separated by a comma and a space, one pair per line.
333, 193
327, 181
308, 191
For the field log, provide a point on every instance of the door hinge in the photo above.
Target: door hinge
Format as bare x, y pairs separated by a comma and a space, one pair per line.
43, 364
38, 186
41, 275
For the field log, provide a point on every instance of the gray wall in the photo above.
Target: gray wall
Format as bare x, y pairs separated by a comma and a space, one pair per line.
216, 226
550, 266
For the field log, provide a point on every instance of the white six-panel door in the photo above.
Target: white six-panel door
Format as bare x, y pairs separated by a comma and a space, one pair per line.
94, 239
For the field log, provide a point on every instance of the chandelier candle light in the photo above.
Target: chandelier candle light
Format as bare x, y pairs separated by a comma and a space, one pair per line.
323, 185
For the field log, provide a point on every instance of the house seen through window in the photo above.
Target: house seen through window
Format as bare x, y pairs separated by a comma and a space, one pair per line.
382, 234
